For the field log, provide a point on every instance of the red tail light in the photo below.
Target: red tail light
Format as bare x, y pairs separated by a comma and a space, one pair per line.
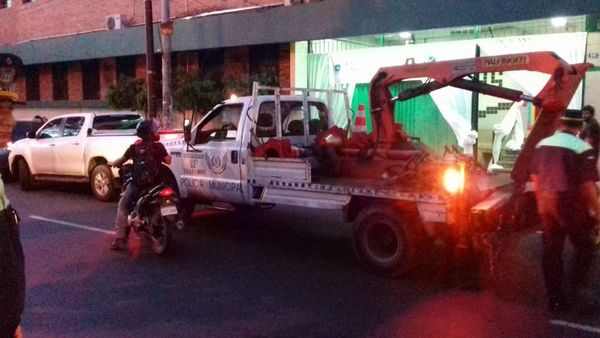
167, 192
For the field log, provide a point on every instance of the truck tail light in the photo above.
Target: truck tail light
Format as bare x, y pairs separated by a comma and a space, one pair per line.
454, 179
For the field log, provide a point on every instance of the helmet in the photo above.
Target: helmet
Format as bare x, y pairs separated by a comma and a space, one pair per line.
146, 130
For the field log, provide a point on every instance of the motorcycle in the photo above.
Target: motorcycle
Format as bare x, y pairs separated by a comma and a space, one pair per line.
154, 212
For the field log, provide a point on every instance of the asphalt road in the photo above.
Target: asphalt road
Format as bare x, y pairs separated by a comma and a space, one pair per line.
286, 272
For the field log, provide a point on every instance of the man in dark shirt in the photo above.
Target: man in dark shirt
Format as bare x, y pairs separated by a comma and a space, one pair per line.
564, 173
141, 152
591, 129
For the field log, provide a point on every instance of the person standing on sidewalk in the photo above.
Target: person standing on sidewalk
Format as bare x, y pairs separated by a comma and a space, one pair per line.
591, 129
564, 174
12, 260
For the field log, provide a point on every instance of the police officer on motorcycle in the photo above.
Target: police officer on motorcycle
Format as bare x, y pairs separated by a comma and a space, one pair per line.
147, 155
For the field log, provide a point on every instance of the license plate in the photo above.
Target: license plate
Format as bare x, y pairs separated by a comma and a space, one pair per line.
168, 210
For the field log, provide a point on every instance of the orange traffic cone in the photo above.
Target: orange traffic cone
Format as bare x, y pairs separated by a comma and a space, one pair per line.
360, 122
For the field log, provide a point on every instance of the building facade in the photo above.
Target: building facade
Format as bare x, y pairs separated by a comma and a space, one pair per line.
63, 84
74, 50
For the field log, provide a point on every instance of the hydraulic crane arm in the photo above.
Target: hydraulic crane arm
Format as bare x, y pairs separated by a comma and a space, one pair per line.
553, 99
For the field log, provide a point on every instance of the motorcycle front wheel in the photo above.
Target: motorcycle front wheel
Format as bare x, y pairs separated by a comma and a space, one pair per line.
160, 235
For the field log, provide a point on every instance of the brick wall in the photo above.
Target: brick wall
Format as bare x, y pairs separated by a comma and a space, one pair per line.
236, 66
75, 86
47, 18
140, 67
284, 66
45, 83
236, 62
20, 88
188, 61
108, 75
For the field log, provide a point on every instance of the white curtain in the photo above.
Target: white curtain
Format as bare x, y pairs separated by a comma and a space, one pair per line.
359, 66
569, 46
455, 105
320, 73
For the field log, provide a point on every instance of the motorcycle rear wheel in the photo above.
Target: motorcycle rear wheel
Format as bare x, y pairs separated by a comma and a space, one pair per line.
160, 236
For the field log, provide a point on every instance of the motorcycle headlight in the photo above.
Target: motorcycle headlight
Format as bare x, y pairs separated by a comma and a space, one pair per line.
454, 179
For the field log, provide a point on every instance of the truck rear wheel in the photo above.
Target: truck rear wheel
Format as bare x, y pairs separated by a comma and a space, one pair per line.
102, 183
384, 242
25, 177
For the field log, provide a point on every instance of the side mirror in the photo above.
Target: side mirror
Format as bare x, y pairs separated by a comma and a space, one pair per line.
187, 130
30, 134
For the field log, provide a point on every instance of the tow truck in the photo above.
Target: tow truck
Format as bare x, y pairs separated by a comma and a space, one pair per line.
284, 149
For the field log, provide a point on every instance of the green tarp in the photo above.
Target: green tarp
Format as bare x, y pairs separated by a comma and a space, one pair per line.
419, 116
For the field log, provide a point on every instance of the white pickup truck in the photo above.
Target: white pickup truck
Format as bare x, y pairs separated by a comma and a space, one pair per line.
75, 148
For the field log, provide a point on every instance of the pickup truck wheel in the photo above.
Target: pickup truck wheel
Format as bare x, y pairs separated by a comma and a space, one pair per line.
384, 242
25, 178
6, 175
102, 183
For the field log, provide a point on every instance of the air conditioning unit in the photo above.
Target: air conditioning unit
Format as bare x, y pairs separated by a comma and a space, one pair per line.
114, 22
295, 2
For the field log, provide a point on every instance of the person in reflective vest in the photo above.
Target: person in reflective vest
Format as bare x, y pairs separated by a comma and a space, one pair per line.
564, 176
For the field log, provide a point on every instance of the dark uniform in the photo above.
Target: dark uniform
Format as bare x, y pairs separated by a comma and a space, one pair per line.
12, 271
12, 261
562, 163
591, 133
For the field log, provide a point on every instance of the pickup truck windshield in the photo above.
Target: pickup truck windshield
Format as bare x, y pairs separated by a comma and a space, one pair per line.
116, 122
220, 124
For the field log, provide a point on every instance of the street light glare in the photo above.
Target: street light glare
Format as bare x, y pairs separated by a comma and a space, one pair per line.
559, 21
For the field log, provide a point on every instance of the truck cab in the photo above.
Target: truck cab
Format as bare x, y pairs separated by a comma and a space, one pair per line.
215, 166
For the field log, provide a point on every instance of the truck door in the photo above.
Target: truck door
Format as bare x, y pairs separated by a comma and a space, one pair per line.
43, 148
69, 148
212, 167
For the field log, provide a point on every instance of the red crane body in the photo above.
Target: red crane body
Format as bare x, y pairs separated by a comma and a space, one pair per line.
553, 99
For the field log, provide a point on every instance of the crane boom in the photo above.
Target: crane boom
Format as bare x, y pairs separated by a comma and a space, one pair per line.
552, 100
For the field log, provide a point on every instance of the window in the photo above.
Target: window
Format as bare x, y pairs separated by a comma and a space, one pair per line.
220, 124
73, 126
90, 77
60, 81
212, 65
319, 118
264, 63
28, 1
116, 122
125, 67
174, 62
32, 83
292, 118
51, 129
5, 3
265, 121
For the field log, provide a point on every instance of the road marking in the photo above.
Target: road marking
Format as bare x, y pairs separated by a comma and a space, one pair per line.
581, 327
73, 225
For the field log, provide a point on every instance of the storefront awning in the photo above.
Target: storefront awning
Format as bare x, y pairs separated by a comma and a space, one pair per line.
316, 20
